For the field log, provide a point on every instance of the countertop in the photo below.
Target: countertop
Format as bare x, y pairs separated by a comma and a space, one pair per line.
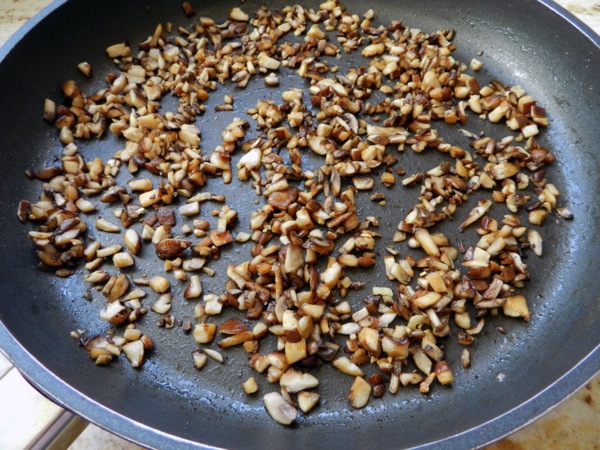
574, 424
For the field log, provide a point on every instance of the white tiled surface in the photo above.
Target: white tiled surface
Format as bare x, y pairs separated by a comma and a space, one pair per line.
94, 438
574, 424
24, 413
23, 409
587, 10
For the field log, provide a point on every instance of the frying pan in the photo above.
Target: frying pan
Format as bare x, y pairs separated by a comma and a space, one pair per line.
515, 376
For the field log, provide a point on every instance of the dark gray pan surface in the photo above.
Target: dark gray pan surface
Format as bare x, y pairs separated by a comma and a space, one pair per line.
168, 403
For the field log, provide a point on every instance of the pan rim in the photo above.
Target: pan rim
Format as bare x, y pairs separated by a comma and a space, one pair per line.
486, 433
67, 396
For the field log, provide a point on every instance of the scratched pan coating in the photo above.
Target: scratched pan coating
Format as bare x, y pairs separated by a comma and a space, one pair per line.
514, 377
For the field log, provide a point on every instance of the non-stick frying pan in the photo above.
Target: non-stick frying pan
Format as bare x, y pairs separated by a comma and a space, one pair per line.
515, 376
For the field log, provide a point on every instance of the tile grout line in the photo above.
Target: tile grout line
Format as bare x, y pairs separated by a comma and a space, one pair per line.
5, 366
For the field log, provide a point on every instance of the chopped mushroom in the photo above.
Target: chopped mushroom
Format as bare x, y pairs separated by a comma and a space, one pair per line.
279, 408
250, 386
309, 234
359, 393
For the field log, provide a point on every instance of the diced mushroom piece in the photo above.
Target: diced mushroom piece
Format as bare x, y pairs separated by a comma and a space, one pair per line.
530, 130
279, 408
159, 284
345, 365
238, 15
349, 328
373, 50
565, 213
118, 50
188, 9
395, 349
163, 304
388, 179
49, 110
294, 258
189, 209
236, 339
426, 300
359, 393
282, 200
85, 206
363, 183
214, 355
462, 319
424, 386
422, 361
444, 373
98, 276
427, 243
193, 288
331, 275
516, 306
114, 194
410, 378
538, 216
193, 264
266, 62
295, 381
476, 213
295, 351
204, 333
251, 160
116, 287
272, 80
122, 260
150, 198
504, 170
476, 65
318, 145
369, 340
233, 326
199, 358
115, 313
132, 334
132, 241
535, 241
171, 248
213, 307
250, 386
220, 239
101, 346
111, 250
135, 353
106, 226
465, 358
436, 282
242, 237
498, 112
307, 400
140, 184
348, 260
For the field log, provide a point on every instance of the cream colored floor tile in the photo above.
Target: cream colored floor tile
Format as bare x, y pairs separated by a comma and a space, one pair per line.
588, 11
97, 439
14, 13
25, 414
573, 425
